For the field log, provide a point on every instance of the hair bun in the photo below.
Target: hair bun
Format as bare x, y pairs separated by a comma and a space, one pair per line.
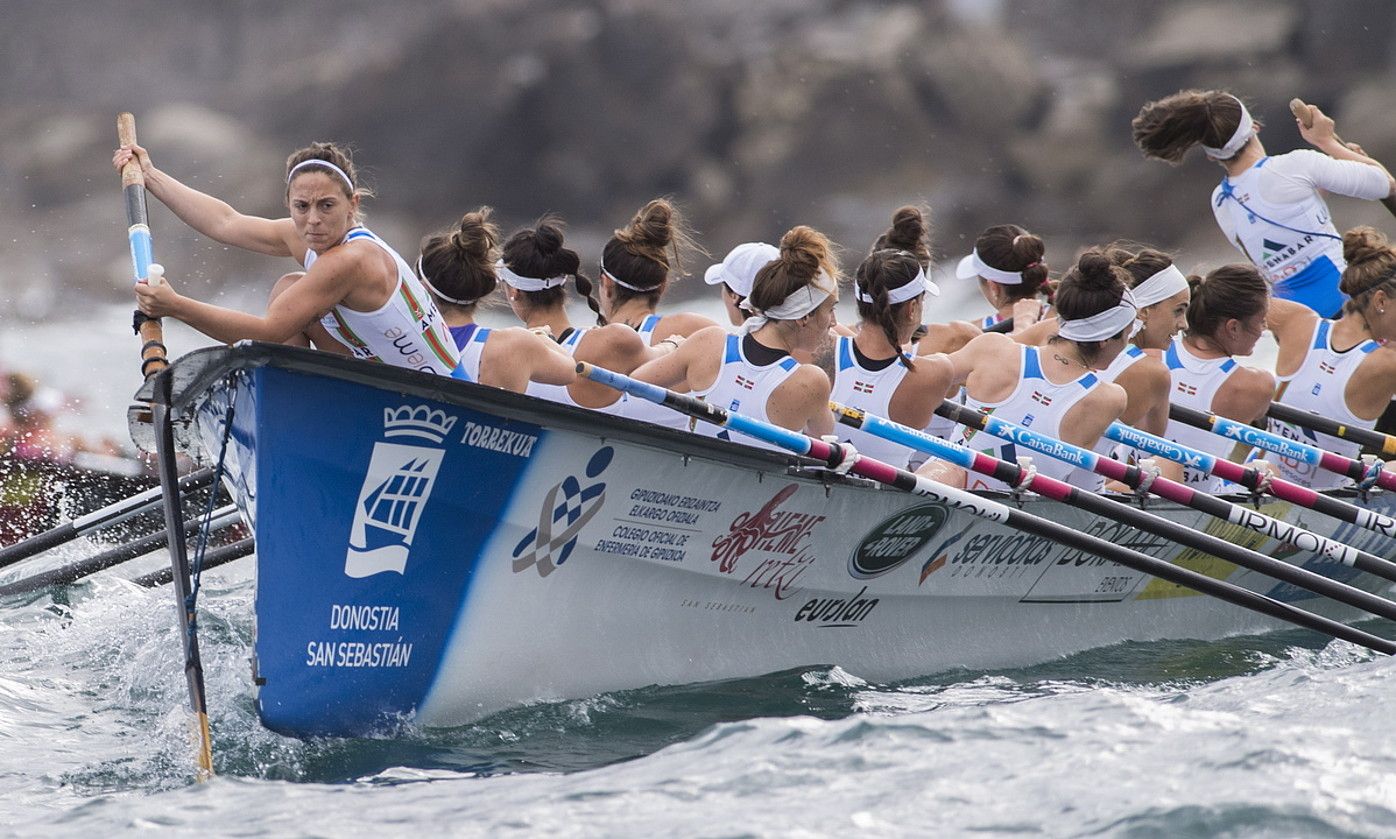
548, 234
1361, 244
476, 236
1097, 271
652, 228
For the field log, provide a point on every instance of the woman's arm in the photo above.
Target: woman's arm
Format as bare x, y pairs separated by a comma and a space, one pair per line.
210, 216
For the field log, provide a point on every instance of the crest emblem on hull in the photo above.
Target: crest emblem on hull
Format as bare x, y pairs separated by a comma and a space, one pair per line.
395, 490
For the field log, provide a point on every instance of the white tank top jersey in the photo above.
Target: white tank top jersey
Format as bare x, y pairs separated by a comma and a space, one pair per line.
1274, 214
870, 390
469, 367
645, 410
1318, 386
743, 388
1195, 383
1036, 404
559, 393
1127, 358
407, 331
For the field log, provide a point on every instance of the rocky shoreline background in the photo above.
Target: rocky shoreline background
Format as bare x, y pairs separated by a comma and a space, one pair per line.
755, 116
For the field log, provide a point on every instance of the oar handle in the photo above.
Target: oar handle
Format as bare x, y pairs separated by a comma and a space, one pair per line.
152, 334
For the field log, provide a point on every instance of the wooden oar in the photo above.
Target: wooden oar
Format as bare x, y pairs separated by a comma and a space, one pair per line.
1252, 479
1384, 443
1115, 509
212, 559
1291, 449
107, 516
152, 334
835, 454
112, 557
1305, 114
1133, 476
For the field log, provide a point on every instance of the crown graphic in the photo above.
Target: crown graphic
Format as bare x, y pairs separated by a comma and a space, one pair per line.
420, 421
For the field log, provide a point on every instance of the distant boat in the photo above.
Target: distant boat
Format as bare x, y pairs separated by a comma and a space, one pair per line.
435, 551
38, 490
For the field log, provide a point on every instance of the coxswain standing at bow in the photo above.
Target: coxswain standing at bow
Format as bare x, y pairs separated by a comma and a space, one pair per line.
1342, 369
1269, 207
458, 269
1054, 390
1226, 317
753, 372
357, 295
535, 267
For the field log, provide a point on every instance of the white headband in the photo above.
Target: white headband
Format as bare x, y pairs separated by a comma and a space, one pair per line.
523, 283
799, 303
1160, 287
325, 163
1098, 327
987, 271
433, 289
618, 281
902, 293
1244, 131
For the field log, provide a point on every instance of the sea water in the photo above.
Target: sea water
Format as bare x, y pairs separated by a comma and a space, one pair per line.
1285, 734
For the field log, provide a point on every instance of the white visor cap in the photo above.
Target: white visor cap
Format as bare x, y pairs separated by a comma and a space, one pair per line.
738, 269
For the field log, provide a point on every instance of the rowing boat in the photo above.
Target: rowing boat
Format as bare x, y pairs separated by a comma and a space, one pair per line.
433, 551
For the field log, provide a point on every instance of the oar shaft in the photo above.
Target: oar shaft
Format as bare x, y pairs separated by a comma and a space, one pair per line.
991, 510
214, 558
1118, 510
112, 514
1291, 449
1384, 443
1173, 491
1251, 479
152, 334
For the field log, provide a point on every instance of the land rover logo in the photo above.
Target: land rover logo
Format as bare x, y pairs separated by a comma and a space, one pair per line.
896, 540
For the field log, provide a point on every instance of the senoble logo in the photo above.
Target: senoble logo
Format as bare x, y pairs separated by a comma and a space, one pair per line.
896, 540
395, 490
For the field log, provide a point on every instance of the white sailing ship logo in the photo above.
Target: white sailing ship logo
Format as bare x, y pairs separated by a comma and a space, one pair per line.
395, 490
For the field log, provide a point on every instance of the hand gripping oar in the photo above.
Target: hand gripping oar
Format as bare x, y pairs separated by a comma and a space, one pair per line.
1133, 476
1292, 449
212, 559
1253, 479
152, 334
834, 454
1304, 113
74, 571
108, 516
1384, 443
1113, 509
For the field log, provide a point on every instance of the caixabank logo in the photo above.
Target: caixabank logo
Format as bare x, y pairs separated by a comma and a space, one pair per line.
896, 539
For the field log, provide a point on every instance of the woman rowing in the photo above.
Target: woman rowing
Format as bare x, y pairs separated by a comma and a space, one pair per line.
356, 295
458, 269
736, 273
872, 370
753, 372
1226, 317
1056, 390
1008, 263
637, 267
536, 266
1270, 208
1342, 369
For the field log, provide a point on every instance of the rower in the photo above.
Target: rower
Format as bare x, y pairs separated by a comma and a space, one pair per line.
1054, 390
872, 370
753, 372
1269, 207
1342, 369
1226, 317
458, 269
1008, 263
535, 266
356, 296
735, 274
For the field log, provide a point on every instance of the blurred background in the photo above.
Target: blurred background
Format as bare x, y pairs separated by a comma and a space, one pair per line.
754, 116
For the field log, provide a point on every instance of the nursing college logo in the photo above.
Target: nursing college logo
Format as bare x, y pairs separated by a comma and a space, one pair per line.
395, 490
568, 506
